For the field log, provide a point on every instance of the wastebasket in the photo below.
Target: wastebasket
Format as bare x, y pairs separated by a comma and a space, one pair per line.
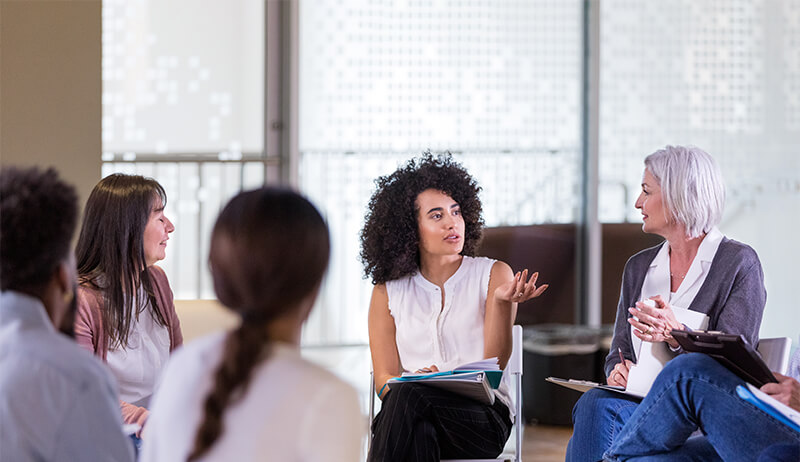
558, 350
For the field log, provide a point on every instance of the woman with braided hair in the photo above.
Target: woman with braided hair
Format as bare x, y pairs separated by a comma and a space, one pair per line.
247, 394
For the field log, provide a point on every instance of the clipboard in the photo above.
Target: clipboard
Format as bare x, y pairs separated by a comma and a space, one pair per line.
586, 385
732, 351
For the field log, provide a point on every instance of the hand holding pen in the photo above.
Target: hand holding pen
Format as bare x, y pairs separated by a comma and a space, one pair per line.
619, 375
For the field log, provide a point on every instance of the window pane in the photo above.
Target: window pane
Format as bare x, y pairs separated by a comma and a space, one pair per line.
496, 82
724, 76
185, 77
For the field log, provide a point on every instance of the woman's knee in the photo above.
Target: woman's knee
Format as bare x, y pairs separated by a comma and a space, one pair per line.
689, 362
690, 365
597, 405
407, 397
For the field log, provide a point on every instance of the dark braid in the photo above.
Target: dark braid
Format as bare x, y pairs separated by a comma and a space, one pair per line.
269, 251
245, 347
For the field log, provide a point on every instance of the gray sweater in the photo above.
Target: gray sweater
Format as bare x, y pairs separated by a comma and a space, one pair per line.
732, 295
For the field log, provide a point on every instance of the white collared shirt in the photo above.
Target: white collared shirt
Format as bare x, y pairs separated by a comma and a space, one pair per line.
657, 279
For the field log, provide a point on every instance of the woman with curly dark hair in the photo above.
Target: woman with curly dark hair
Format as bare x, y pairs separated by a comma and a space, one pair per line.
435, 305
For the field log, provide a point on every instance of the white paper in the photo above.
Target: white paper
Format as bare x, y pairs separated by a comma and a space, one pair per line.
488, 364
653, 356
130, 429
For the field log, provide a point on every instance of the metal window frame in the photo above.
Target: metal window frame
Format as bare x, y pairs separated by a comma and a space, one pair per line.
281, 102
588, 309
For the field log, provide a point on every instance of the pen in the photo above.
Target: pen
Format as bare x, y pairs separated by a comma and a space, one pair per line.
621, 358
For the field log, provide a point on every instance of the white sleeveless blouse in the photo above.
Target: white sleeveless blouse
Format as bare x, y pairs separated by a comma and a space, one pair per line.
428, 333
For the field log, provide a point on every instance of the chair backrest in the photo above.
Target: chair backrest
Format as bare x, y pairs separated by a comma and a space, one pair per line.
515, 361
202, 317
775, 352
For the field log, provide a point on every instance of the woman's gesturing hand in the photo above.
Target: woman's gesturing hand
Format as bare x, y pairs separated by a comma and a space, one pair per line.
654, 321
517, 290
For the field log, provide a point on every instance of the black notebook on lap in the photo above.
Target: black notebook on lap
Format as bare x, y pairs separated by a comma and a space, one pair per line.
732, 351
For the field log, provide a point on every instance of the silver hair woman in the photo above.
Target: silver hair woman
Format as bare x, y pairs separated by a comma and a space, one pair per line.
691, 185
696, 271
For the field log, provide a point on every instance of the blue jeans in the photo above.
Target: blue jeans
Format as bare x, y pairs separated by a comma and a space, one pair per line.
597, 419
137, 445
694, 391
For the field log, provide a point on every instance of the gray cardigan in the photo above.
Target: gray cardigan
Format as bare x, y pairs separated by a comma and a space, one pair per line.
733, 295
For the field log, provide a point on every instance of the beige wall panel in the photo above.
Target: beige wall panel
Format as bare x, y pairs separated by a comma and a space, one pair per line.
51, 87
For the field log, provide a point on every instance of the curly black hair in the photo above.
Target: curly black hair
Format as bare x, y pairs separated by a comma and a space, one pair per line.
390, 237
38, 213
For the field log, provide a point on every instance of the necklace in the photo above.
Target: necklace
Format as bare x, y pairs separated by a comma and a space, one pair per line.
676, 276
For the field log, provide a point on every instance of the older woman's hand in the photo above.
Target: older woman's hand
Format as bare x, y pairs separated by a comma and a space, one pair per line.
654, 323
517, 290
619, 375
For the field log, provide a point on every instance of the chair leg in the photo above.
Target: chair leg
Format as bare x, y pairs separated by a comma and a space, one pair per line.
519, 422
371, 409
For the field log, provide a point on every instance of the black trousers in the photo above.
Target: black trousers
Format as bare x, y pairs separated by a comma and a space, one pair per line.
424, 423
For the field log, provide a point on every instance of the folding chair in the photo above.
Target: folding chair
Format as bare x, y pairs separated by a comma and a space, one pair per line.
775, 352
514, 368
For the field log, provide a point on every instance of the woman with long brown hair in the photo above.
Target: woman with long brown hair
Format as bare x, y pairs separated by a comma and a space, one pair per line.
247, 394
126, 314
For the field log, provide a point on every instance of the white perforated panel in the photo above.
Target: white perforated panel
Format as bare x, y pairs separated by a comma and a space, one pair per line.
496, 82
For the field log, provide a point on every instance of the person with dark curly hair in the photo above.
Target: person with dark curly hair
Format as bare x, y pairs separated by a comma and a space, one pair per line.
435, 305
56, 401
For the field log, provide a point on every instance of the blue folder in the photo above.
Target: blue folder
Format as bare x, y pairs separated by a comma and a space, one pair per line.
492, 376
748, 396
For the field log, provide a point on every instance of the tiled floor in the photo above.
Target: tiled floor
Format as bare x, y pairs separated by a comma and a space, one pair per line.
352, 363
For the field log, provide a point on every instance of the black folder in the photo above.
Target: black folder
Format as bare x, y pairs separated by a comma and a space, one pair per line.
732, 351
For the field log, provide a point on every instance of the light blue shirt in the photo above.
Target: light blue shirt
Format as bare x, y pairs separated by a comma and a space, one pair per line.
57, 402
794, 365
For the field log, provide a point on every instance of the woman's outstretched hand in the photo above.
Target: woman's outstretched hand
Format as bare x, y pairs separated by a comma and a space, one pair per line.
517, 290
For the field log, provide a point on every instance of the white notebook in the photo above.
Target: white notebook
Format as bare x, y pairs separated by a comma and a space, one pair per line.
653, 356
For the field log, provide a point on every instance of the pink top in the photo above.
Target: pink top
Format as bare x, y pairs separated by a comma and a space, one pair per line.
90, 335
